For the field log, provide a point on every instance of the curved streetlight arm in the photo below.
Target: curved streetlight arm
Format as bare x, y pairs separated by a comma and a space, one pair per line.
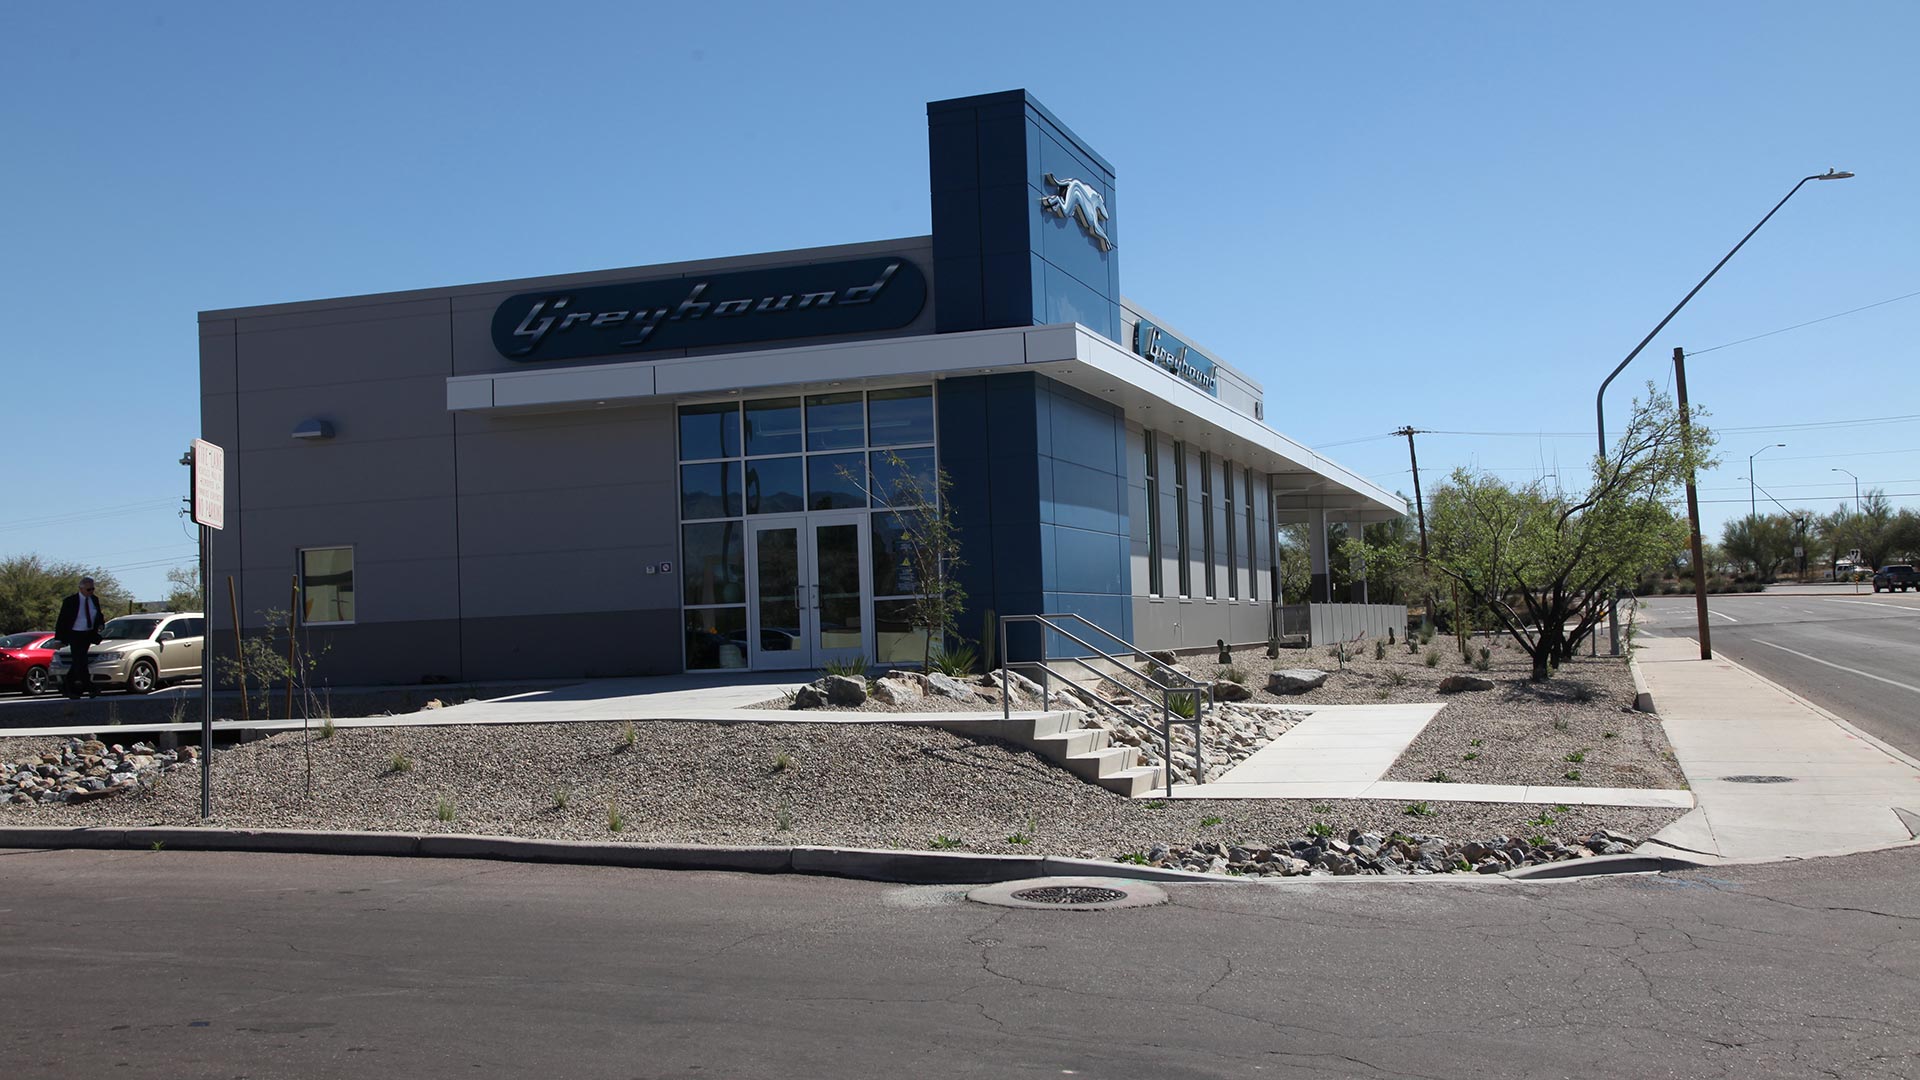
1599, 408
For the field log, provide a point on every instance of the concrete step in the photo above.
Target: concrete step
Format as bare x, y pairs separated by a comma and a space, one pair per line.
1133, 782
1054, 723
1100, 764
1067, 745
1087, 752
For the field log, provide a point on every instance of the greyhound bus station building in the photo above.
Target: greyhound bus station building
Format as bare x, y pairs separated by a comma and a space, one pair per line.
666, 468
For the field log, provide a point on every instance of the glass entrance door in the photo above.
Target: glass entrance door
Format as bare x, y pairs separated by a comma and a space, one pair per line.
809, 603
842, 605
780, 630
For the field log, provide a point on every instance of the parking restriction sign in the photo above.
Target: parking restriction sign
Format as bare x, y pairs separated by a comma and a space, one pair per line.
209, 484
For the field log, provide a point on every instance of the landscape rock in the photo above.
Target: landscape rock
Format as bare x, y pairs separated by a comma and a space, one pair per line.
845, 690
1295, 680
946, 686
86, 795
1455, 684
890, 691
1396, 856
809, 697
1228, 690
1020, 683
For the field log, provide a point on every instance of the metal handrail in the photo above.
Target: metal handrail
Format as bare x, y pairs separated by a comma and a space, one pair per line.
1195, 687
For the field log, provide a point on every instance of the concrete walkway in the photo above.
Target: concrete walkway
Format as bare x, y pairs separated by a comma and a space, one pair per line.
1846, 789
711, 698
1342, 751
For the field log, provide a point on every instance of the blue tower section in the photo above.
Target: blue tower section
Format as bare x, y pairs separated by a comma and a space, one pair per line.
1038, 468
1003, 256
1040, 496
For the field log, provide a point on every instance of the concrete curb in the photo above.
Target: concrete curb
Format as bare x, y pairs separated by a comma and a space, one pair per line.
904, 867
1601, 865
1642, 697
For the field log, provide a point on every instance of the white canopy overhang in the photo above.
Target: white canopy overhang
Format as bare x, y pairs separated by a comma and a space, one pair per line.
1069, 353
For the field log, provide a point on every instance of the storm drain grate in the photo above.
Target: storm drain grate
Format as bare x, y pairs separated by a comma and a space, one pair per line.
1069, 894
1749, 778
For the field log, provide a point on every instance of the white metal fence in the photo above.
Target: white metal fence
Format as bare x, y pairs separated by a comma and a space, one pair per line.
1328, 623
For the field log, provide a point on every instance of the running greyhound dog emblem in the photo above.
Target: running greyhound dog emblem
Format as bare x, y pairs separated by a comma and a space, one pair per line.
1079, 199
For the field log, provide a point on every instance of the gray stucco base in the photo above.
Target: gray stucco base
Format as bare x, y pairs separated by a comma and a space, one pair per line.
585, 646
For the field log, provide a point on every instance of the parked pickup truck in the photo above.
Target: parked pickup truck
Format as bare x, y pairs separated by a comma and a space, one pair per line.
1895, 577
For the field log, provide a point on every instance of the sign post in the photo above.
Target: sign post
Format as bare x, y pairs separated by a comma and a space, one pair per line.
209, 512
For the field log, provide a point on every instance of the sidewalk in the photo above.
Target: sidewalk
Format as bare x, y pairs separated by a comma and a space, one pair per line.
1844, 791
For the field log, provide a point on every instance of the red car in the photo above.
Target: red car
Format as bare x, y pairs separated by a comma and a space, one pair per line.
24, 659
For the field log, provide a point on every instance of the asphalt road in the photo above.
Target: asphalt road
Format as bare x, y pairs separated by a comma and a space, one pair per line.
190, 688
1857, 655
176, 964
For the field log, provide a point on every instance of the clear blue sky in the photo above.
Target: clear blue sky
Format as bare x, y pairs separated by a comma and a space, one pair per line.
1454, 216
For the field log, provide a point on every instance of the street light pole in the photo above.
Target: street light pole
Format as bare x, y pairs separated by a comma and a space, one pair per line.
1856, 518
1599, 399
1856, 492
1752, 507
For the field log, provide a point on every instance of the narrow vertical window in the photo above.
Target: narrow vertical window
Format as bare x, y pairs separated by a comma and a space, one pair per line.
1233, 549
1206, 518
1180, 518
1253, 545
1154, 583
1275, 582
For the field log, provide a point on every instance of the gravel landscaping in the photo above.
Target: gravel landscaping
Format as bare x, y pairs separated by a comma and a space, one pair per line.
870, 785
1577, 729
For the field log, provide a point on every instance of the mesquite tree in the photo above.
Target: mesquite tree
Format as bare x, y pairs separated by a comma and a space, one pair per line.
1545, 562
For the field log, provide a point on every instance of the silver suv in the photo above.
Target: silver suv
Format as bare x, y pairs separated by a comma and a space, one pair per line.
140, 653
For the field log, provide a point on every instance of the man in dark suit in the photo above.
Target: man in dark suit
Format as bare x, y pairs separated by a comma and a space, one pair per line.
79, 627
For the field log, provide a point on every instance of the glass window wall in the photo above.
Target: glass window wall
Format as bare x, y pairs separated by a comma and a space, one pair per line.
790, 455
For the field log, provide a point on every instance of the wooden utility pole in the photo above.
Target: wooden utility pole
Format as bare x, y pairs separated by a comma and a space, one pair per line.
1693, 507
1420, 510
1419, 505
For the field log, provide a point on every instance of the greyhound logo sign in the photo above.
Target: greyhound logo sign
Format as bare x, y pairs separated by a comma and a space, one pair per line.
1081, 200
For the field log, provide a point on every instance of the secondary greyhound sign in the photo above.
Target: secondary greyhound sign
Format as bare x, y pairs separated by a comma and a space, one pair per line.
1174, 356
703, 310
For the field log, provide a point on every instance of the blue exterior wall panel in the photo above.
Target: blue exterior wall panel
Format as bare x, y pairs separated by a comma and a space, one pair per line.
1009, 260
1039, 492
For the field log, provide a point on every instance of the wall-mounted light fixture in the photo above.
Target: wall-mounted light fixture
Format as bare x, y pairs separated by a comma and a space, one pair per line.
313, 429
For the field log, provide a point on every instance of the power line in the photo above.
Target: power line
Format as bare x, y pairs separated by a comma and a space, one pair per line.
1351, 442
1842, 454
1813, 424
1844, 484
1809, 322
1884, 494
1519, 434
96, 514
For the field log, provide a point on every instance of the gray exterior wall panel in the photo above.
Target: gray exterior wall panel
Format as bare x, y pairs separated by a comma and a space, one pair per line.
218, 372
586, 579
375, 345
411, 407
1192, 624
344, 474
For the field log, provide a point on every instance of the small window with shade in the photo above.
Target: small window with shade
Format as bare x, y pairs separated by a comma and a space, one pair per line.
326, 586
